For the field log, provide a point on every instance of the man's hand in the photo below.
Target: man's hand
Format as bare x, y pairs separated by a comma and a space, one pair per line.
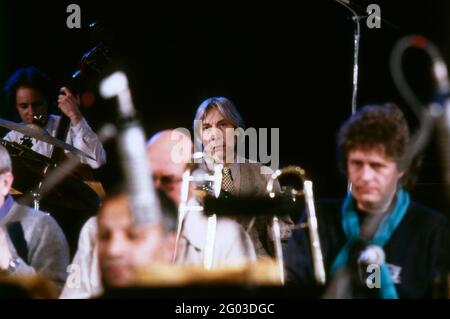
69, 105
5, 254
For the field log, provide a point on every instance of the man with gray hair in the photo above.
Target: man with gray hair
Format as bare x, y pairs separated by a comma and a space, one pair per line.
218, 128
30, 241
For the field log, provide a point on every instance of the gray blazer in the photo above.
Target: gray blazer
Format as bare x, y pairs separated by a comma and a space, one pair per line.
48, 251
250, 181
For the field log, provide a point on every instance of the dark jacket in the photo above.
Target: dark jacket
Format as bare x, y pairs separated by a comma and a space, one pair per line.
417, 246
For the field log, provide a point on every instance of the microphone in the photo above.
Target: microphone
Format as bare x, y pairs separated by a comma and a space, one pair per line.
145, 204
439, 67
440, 109
438, 112
372, 255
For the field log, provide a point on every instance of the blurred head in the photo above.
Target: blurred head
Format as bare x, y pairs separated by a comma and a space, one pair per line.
371, 144
30, 93
168, 153
219, 119
124, 246
6, 176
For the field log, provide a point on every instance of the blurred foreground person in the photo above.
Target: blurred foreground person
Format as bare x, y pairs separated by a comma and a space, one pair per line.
123, 246
31, 241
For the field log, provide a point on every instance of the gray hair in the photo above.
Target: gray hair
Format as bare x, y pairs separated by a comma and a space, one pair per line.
5, 160
224, 106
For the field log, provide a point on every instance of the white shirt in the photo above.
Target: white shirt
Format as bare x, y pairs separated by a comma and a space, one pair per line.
79, 136
84, 278
232, 247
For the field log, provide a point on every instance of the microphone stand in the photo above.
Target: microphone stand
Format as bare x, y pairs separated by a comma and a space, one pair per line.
357, 17
356, 44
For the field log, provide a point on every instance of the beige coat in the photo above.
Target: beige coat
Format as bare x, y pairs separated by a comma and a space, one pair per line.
232, 246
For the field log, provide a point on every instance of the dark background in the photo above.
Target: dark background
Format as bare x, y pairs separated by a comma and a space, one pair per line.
285, 64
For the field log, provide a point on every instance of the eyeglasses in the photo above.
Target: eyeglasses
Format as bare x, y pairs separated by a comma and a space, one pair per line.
166, 181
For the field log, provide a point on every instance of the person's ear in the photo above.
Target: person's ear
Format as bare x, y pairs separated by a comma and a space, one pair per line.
6, 183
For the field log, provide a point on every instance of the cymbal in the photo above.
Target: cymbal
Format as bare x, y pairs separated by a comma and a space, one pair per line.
37, 132
30, 169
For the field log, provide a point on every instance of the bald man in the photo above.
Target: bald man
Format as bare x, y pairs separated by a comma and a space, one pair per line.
168, 152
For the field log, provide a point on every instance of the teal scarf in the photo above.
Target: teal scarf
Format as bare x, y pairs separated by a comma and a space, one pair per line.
350, 224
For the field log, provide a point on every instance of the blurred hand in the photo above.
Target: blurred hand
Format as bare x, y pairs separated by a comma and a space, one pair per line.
69, 105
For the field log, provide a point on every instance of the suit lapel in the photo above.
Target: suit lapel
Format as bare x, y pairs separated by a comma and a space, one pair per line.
243, 180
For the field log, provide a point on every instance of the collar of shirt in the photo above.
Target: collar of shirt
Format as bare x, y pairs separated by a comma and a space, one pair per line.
234, 167
235, 172
9, 201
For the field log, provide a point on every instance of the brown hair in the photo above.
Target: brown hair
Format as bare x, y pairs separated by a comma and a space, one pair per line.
382, 126
225, 107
